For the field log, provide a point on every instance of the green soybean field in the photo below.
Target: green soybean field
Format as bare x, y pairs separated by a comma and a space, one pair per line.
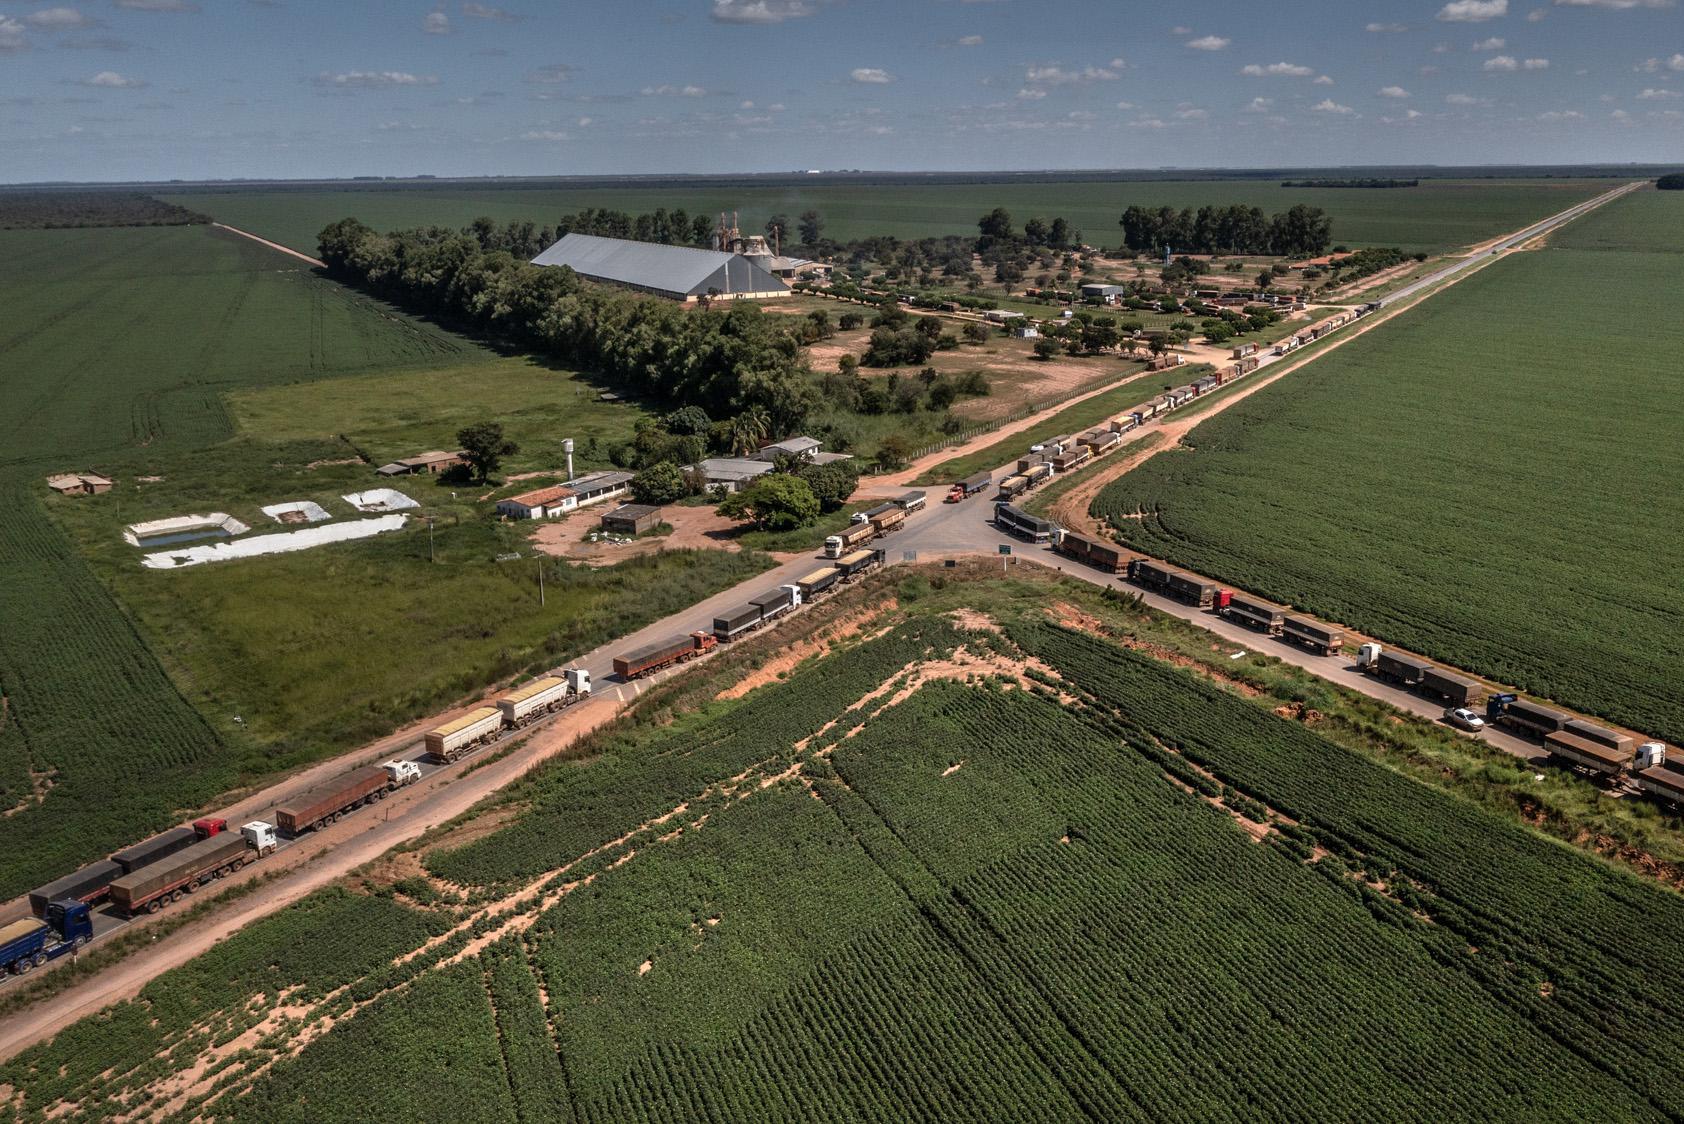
985, 863
1494, 479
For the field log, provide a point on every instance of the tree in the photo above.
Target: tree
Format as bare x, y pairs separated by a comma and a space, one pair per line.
1673, 182
832, 483
812, 226
1061, 236
774, 502
658, 484
484, 447
777, 228
995, 226
749, 430
1046, 347
975, 333
893, 452
1265, 279
688, 421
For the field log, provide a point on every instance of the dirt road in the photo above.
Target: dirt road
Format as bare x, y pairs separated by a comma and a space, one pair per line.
276, 246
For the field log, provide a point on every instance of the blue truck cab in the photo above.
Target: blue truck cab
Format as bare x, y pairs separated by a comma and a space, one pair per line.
28, 944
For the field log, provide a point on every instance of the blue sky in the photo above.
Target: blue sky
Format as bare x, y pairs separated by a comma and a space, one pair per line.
159, 89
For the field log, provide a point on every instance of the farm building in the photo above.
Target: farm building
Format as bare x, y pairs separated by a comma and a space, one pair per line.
682, 273
79, 484
631, 519
798, 448
830, 458
597, 486
1027, 332
1106, 293
543, 503
731, 473
1002, 316
431, 463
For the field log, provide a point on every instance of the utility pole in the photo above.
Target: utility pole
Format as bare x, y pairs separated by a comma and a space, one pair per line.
540, 583
431, 557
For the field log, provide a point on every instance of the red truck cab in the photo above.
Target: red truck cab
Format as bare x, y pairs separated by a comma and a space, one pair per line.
1221, 600
209, 826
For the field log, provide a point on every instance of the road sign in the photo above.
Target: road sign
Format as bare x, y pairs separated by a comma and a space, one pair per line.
1005, 548
909, 556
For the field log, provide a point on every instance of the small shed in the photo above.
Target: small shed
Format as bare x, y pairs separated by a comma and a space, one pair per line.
796, 448
431, 463
79, 484
631, 519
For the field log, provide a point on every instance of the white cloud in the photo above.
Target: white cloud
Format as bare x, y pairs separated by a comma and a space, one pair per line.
435, 22
1535, 64
1561, 115
1208, 43
158, 5
1260, 105
57, 19
1616, 5
1081, 115
1621, 116
1386, 28
1495, 43
12, 37
871, 75
551, 75
1064, 76
1473, 11
1650, 66
1276, 70
1192, 113
1125, 105
970, 40
111, 80
1146, 123
1328, 105
1028, 94
1537, 15
583, 122
1393, 92
1501, 62
374, 79
1322, 80
1464, 99
1408, 115
1658, 95
760, 11
545, 135
487, 12
666, 90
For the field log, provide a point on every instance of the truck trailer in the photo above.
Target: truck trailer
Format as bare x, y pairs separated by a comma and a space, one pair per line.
1249, 611
1012, 487
777, 602
1662, 783
1530, 719
448, 742
1021, 523
325, 803
1586, 754
1457, 690
890, 521
64, 926
168, 843
1313, 635
1095, 552
818, 582
911, 501
90, 885
1394, 667
859, 562
157, 884
851, 538
736, 622
1188, 588
544, 696
653, 657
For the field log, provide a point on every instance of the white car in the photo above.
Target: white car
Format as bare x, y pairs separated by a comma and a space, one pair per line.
1464, 719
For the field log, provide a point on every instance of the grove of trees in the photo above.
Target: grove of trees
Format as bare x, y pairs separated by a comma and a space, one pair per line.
53, 210
1300, 231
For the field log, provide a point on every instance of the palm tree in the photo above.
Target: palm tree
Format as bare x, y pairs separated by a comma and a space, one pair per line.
749, 430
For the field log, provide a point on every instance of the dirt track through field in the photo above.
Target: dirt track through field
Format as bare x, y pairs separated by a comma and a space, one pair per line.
276, 246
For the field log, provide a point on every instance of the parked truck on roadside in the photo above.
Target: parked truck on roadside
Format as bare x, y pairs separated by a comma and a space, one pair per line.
168, 843
547, 695
448, 742
1314, 635
968, 487
25, 945
327, 802
151, 887
851, 538
663, 653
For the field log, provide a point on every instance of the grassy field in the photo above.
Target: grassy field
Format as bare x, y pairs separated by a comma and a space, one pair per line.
1645, 222
1436, 216
1072, 419
236, 378
1050, 877
1483, 480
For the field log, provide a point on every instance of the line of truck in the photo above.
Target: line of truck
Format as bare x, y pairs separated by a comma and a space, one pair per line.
873, 523
517, 708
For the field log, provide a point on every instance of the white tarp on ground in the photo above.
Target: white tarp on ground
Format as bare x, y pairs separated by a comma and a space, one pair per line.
307, 511
135, 534
273, 544
380, 499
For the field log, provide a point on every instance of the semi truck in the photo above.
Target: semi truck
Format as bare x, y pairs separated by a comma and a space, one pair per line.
327, 802
777, 602
1524, 717
1072, 458
1457, 690
90, 886
448, 742
1394, 667
911, 501
1021, 523
653, 657
1101, 443
1313, 635
818, 582
1012, 487
150, 888
64, 926
1167, 580
851, 539
969, 487
858, 563
1094, 552
736, 622
890, 521
1039, 473
544, 696
168, 843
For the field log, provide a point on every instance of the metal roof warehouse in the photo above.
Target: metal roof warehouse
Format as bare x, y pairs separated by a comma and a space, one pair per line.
680, 272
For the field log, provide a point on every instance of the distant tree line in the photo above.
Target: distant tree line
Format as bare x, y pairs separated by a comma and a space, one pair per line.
1673, 182
1301, 231
736, 359
1351, 183
56, 210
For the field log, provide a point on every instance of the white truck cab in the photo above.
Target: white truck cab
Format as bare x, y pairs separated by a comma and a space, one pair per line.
259, 836
578, 679
402, 772
794, 594
1651, 754
1367, 655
